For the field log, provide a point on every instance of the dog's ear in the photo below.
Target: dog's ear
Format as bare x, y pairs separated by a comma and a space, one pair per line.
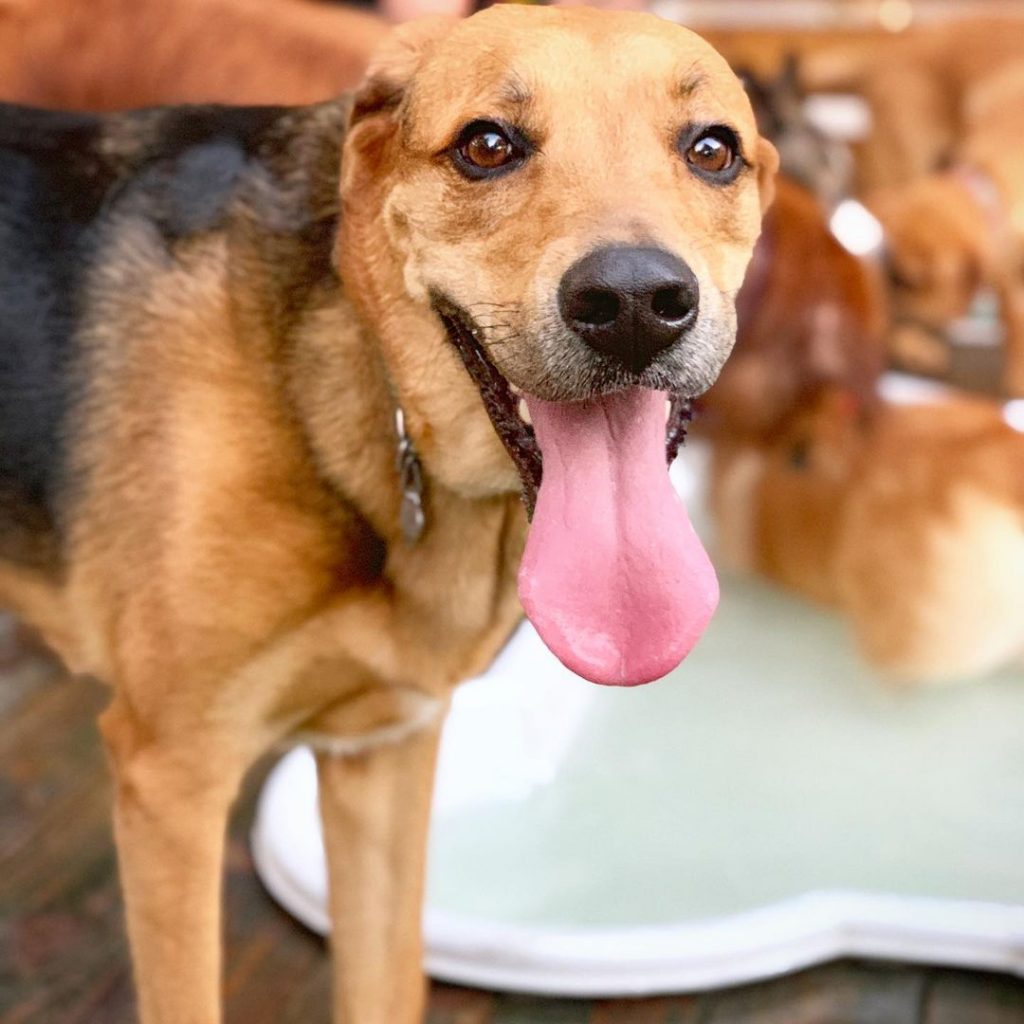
377, 105
393, 66
767, 162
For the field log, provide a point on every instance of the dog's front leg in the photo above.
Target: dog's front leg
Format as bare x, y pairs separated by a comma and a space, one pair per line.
171, 811
376, 808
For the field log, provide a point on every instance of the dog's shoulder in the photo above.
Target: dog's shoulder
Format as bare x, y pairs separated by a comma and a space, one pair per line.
75, 186
53, 189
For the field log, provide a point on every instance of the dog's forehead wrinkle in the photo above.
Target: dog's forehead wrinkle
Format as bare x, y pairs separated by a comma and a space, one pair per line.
689, 81
513, 90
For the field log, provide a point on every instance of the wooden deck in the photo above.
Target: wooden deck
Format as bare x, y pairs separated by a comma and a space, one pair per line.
63, 958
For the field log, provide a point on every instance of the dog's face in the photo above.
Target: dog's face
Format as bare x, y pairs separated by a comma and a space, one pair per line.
574, 195
577, 192
936, 249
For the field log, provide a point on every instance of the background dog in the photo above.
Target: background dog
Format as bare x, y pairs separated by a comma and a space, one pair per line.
943, 169
116, 54
811, 319
907, 520
917, 84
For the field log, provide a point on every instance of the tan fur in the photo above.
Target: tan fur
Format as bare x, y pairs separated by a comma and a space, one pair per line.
235, 567
116, 54
948, 235
917, 84
908, 523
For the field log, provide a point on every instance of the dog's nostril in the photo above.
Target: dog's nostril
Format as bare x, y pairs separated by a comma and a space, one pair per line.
596, 307
671, 304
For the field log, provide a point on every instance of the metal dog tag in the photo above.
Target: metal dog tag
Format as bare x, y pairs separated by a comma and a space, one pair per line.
411, 516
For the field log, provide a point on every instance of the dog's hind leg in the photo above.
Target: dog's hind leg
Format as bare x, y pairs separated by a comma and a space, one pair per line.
171, 811
376, 807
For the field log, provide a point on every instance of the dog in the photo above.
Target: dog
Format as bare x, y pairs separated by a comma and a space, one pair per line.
262, 468
807, 155
956, 231
111, 54
811, 319
917, 85
950, 239
906, 519
943, 170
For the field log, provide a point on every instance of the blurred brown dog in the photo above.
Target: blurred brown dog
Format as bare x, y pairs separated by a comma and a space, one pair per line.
115, 54
951, 233
943, 169
810, 317
918, 85
908, 521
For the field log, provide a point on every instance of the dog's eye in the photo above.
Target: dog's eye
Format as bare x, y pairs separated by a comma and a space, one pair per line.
484, 148
488, 150
710, 154
713, 153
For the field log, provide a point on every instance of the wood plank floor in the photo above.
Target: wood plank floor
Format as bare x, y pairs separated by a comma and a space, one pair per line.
63, 958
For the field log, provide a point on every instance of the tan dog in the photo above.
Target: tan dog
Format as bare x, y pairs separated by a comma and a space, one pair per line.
215, 347
953, 232
908, 522
918, 85
116, 54
943, 169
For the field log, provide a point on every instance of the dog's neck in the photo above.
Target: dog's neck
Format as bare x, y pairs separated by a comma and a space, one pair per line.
393, 421
443, 411
359, 347
461, 569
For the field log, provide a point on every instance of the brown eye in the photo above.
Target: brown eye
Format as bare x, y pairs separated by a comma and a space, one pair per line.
713, 153
488, 150
485, 149
710, 154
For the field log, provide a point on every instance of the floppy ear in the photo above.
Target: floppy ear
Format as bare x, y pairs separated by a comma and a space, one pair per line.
393, 66
376, 110
767, 165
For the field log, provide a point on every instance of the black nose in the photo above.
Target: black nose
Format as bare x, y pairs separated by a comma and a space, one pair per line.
629, 302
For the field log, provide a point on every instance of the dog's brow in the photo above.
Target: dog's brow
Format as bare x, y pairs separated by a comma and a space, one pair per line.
514, 92
690, 82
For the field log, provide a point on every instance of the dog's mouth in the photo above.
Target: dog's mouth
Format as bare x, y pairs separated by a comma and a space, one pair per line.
613, 576
508, 407
502, 402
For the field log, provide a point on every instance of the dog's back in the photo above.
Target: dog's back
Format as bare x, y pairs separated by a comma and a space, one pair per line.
54, 188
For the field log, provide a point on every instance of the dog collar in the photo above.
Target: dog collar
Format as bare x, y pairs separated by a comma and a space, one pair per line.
411, 514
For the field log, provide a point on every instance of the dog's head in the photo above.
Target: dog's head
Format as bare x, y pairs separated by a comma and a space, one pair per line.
938, 248
574, 195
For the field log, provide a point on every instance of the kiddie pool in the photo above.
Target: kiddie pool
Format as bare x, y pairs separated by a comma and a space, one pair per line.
768, 805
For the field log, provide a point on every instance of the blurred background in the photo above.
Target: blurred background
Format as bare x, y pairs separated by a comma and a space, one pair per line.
820, 818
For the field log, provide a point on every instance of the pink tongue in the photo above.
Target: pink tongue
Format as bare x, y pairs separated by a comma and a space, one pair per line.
613, 576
